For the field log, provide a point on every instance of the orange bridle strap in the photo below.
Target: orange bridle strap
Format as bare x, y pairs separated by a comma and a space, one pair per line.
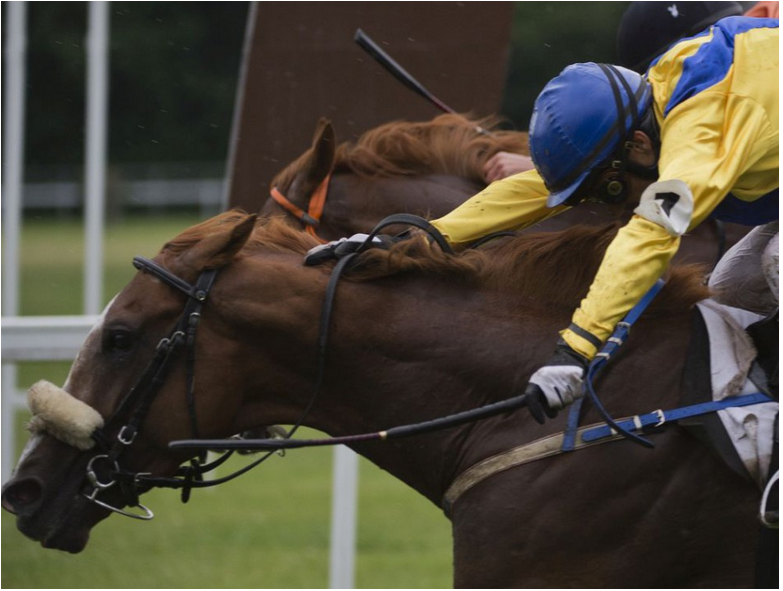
312, 217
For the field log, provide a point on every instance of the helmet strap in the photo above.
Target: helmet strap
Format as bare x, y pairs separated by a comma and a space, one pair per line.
649, 126
614, 190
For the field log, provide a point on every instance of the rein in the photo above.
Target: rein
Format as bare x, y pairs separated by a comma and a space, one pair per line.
315, 207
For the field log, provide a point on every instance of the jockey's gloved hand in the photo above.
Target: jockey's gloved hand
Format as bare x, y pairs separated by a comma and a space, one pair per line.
557, 383
337, 249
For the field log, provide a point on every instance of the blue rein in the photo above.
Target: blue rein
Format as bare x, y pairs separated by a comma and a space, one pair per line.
602, 357
639, 422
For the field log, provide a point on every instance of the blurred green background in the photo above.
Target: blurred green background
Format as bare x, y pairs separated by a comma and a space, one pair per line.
174, 69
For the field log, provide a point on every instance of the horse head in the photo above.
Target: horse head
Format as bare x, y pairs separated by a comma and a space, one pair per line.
423, 168
426, 169
123, 399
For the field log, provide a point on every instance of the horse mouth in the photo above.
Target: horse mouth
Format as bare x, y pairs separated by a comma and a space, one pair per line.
59, 538
57, 527
71, 543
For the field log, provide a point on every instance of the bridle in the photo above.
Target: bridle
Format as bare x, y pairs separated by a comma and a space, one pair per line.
107, 470
315, 207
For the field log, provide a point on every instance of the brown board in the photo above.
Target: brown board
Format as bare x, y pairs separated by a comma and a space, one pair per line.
301, 63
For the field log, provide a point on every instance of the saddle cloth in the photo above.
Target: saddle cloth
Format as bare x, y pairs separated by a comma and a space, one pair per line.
750, 428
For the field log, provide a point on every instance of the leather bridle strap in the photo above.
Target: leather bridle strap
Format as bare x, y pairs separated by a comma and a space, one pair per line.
140, 398
315, 208
137, 403
143, 393
195, 292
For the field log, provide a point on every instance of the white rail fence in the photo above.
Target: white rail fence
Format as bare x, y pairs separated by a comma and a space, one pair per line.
34, 338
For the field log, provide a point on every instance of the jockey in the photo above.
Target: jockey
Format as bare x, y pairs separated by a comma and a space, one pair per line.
697, 137
646, 30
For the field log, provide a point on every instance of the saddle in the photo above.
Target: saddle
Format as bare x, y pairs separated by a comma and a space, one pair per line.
766, 337
722, 362
746, 439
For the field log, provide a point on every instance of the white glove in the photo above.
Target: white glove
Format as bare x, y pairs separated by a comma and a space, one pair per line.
561, 384
557, 384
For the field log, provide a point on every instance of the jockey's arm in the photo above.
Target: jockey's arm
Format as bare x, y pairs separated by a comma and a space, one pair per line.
708, 143
513, 203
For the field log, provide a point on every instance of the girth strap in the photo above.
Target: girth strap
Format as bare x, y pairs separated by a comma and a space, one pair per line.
587, 436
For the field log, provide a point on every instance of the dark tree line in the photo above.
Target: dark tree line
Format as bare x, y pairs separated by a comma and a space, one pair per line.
174, 69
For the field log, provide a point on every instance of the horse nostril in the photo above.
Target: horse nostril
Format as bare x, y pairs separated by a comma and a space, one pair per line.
22, 494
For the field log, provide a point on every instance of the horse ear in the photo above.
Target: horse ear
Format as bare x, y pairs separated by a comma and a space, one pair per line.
316, 165
322, 155
219, 248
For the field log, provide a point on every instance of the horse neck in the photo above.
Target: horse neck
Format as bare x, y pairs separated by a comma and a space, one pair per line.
403, 352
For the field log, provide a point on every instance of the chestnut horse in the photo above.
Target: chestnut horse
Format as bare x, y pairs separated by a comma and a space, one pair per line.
416, 334
423, 168
426, 169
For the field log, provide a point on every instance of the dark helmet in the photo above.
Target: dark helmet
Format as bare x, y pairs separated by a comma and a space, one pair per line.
647, 29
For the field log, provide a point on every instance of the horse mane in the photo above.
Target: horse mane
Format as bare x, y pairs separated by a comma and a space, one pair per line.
555, 268
552, 268
448, 144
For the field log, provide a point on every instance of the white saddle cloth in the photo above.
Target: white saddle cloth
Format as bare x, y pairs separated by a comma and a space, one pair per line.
731, 355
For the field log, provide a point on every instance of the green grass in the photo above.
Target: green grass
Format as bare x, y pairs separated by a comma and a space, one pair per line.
268, 529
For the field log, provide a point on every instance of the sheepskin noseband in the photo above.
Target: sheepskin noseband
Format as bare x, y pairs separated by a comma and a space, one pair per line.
62, 416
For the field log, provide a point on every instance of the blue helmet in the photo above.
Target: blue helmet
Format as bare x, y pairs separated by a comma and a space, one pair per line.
580, 121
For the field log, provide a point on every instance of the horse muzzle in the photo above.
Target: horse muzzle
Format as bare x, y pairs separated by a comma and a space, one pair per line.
45, 496
61, 416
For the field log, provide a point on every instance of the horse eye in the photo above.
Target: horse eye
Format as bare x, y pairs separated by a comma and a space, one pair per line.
119, 340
